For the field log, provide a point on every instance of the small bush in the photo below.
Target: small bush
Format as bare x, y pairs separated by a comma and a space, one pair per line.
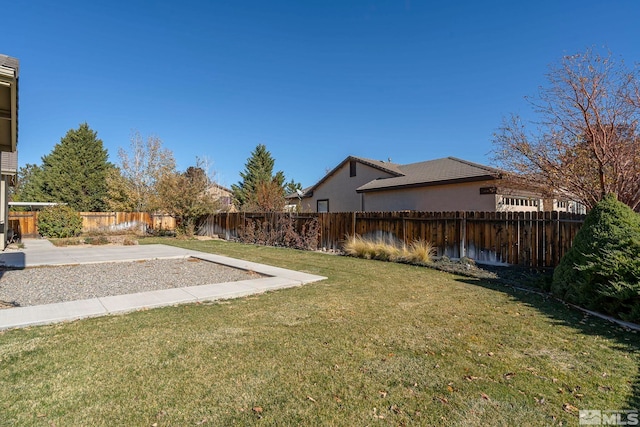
602, 270
282, 232
59, 221
98, 240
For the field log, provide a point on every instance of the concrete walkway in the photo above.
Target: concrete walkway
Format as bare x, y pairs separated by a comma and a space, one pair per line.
40, 252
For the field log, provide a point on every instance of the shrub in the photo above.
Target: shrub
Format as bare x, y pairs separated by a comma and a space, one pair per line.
281, 231
602, 270
59, 221
98, 240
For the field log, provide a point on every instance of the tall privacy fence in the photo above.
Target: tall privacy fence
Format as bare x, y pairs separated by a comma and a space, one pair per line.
26, 223
535, 239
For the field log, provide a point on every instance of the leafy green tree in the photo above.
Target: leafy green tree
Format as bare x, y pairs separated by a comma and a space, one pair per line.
601, 271
75, 171
29, 185
257, 178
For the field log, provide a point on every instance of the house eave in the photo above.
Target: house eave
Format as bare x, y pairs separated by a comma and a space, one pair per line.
428, 184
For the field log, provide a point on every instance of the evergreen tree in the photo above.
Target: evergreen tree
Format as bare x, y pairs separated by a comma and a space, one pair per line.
258, 175
601, 271
75, 171
29, 185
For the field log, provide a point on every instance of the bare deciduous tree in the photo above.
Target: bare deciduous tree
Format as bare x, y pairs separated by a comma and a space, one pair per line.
141, 168
586, 143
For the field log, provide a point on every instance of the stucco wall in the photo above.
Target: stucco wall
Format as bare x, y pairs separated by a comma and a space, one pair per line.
340, 189
451, 197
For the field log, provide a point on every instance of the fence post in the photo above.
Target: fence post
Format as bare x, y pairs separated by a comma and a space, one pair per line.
463, 235
353, 227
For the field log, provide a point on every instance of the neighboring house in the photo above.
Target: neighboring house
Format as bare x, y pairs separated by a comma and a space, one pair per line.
448, 184
223, 195
8, 136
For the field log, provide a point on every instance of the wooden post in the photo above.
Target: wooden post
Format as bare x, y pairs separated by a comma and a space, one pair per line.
463, 235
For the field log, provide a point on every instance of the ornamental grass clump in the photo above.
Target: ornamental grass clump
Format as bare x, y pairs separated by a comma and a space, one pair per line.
418, 252
602, 269
421, 252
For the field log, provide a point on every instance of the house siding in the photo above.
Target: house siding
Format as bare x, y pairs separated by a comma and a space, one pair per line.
449, 197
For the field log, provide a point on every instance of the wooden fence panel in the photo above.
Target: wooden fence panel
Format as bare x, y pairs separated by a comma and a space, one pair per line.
27, 222
536, 239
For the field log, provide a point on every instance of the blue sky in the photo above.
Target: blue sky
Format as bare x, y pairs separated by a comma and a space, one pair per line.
315, 81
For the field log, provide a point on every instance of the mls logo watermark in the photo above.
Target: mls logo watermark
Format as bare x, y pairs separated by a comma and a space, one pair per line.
596, 417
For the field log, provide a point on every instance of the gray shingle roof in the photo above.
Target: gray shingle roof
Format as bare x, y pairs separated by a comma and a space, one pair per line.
9, 62
432, 172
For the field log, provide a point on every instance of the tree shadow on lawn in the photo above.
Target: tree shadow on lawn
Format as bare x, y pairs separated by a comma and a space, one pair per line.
563, 314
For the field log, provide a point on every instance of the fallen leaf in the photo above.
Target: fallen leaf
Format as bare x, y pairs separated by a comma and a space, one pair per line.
383, 394
490, 354
569, 408
509, 375
311, 399
257, 409
450, 389
337, 399
442, 399
471, 378
484, 396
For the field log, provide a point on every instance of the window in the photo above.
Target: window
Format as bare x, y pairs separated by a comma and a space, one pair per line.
519, 201
323, 205
352, 168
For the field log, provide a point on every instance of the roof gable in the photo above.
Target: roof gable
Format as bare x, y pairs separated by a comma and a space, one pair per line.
387, 167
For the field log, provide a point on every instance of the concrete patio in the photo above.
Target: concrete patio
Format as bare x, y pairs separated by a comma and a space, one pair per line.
40, 252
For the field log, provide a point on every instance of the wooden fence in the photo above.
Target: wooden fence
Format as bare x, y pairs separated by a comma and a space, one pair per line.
535, 239
27, 222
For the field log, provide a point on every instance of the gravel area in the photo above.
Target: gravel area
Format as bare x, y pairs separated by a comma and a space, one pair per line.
46, 285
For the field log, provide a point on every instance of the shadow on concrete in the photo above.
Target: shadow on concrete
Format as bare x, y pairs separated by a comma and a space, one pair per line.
562, 314
13, 260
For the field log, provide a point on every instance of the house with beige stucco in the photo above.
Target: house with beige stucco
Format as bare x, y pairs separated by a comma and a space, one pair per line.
448, 184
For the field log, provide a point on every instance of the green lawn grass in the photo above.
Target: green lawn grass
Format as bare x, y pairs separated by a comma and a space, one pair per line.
375, 344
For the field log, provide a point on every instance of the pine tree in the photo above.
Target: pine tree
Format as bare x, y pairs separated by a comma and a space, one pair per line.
29, 185
75, 171
257, 176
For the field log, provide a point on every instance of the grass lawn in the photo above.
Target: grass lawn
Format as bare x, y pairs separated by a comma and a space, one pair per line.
375, 344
